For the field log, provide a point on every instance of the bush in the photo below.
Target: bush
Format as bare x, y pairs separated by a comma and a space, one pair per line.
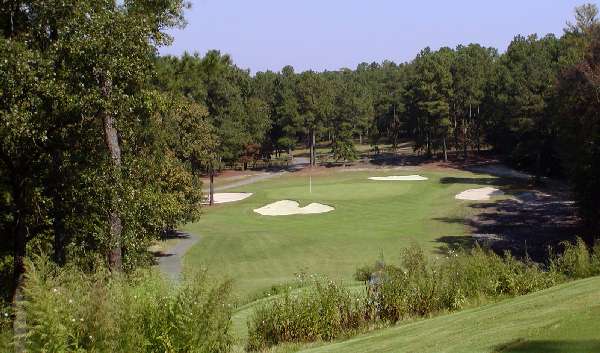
595, 262
368, 272
420, 286
577, 261
71, 311
323, 311
363, 274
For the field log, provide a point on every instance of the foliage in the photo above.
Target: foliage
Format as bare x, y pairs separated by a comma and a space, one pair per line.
68, 69
68, 310
323, 312
420, 287
580, 130
577, 260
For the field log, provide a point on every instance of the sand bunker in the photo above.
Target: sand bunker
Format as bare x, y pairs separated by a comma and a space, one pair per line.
287, 208
481, 194
399, 178
224, 197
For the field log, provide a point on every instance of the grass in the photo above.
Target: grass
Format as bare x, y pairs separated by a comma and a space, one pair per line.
560, 319
371, 219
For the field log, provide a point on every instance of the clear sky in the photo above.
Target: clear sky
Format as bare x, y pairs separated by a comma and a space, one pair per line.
330, 34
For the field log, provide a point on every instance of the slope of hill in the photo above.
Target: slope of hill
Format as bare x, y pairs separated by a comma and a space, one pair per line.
565, 318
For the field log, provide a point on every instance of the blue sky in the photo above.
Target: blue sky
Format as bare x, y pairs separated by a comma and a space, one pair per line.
330, 34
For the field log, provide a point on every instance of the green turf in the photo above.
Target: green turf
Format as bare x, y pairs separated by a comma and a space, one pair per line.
371, 218
563, 319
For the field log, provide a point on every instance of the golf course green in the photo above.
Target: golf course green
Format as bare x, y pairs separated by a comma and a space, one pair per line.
371, 219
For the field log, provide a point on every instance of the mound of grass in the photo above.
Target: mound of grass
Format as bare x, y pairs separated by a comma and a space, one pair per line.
560, 319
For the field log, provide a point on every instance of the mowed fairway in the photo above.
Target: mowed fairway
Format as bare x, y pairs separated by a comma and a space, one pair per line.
371, 218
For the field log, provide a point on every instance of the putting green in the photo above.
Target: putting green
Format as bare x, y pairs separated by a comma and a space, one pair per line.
371, 218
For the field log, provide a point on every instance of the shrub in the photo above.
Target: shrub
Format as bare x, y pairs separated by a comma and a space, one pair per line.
323, 311
420, 286
595, 261
363, 273
71, 311
576, 261
5, 326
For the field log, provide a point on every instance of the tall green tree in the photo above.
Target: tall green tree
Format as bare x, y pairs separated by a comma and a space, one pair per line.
81, 161
287, 121
432, 95
579, 118
316, 105
471, 70
524, 89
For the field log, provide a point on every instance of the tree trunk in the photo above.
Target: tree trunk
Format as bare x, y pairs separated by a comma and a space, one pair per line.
313, 154
58, 213
445, 150
428, 146
538, 166
19, 227
211, 192
478, 132
290, 154
111, 137
466, 132
19, 253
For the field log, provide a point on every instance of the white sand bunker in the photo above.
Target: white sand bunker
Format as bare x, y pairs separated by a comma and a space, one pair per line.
399, 178
481, 194
224, 197
287, 208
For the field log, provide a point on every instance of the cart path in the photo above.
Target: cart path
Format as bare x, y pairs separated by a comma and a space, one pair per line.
170, 262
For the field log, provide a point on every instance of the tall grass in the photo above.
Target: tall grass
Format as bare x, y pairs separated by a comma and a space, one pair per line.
576, 260
421, 286
324, 311
71, 311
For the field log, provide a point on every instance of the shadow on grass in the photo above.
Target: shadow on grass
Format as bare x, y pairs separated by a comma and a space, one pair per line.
454, 242
477, 181
522, 346
526, 225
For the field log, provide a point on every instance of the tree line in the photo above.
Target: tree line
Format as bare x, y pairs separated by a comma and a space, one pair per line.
464, 100
103, 141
